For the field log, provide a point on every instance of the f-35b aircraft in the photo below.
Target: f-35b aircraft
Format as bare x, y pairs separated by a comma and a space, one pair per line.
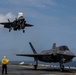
60, 54
18, 24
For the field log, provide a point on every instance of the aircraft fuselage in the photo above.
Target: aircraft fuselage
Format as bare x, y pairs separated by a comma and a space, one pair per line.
54, 55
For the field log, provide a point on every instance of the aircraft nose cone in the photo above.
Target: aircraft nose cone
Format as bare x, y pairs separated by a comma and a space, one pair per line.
69, 53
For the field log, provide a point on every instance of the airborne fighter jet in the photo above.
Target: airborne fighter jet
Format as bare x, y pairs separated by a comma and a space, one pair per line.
60, 54
18, 24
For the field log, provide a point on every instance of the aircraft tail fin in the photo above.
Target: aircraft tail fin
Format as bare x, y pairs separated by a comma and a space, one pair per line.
33, 49
54, 46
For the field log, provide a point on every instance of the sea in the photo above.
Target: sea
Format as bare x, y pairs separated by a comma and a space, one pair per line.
69, 64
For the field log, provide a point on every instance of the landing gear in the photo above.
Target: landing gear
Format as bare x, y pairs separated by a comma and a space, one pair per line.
10, 25
10, 29
35, 67
36, 63
23, 31
61, 67
62, 64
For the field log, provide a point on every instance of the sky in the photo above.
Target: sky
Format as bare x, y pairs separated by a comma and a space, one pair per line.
54, 22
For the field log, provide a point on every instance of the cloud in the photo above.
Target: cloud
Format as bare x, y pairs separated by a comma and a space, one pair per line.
5, 17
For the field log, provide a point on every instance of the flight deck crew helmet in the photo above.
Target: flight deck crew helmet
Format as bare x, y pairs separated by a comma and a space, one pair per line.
5, 57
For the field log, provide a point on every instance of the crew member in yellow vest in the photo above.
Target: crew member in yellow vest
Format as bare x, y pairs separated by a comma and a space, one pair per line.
4, 65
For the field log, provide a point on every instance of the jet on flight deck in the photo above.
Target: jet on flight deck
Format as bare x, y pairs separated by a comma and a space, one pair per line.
18, 24
61, 54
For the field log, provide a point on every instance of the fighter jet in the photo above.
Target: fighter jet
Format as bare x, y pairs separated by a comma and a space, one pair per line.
18, 24
60, 54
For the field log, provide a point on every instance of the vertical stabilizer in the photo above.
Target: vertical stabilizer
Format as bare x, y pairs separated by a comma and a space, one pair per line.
33, 49
54, 46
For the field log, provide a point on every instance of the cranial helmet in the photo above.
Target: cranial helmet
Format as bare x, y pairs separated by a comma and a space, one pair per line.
4, 56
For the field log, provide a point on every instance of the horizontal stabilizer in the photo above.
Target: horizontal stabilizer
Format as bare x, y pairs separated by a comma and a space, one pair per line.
28, 25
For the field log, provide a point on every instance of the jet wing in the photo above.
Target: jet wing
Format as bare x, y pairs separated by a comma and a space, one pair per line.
7, 24
28, 25
66, 54
33, 55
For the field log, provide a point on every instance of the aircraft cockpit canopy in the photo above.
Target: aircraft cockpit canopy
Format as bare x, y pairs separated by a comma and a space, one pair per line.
63, 48
20, 14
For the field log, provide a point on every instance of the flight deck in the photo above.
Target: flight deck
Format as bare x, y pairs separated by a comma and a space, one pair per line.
42, 70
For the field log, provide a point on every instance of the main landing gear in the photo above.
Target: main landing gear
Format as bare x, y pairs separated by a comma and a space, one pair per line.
36, 63
23, 31
62, 64
61, 67
35, 67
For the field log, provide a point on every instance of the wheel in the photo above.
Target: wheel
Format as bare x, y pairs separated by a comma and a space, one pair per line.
35, 67
9, 29
62, 68
23, 31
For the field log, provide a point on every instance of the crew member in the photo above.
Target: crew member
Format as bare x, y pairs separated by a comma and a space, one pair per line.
4, 64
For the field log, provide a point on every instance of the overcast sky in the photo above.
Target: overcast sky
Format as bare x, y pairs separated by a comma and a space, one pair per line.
54, 22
